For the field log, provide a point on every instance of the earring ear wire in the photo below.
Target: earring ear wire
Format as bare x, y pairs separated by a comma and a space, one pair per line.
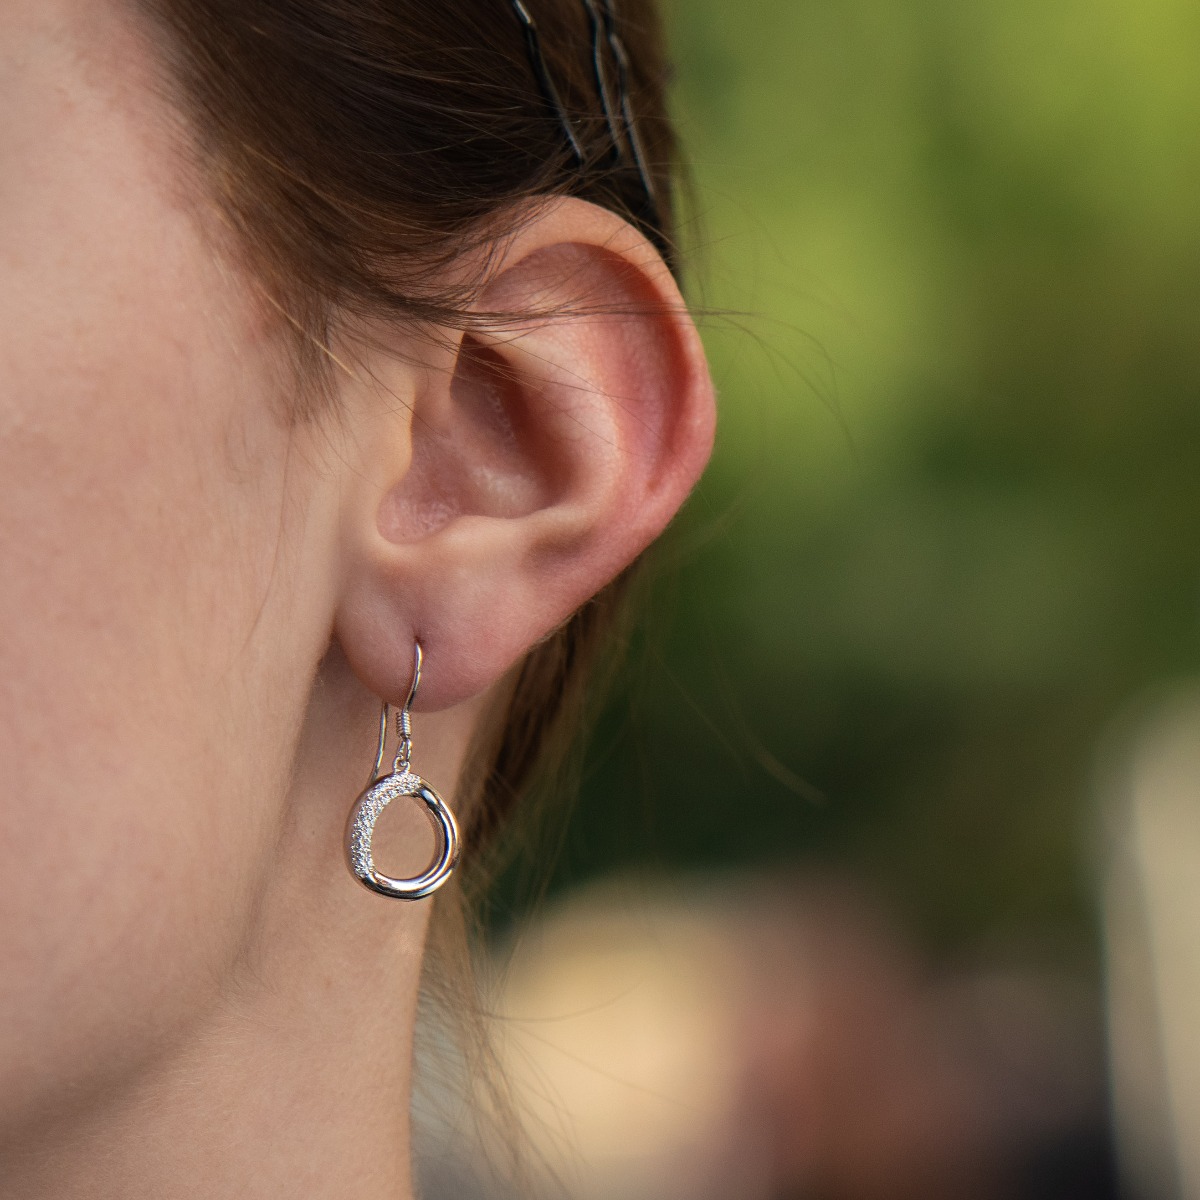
381, 791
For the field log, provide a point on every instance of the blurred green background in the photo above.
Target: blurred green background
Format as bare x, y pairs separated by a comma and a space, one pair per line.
951, 525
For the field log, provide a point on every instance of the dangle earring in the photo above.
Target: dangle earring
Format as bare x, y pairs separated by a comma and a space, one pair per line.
380, 792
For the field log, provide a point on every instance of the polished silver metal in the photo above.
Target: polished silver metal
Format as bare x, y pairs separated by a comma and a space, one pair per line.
381, 791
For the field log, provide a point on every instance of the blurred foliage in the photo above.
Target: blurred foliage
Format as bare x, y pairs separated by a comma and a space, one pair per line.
952, 523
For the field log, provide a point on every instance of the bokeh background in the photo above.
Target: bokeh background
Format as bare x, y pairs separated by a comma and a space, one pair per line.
950, 250
953, 518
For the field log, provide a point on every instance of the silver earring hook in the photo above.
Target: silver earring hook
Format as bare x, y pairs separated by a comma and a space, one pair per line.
418, 659
404, 717
403, 758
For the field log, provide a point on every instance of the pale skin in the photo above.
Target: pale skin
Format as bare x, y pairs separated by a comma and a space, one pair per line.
202, 603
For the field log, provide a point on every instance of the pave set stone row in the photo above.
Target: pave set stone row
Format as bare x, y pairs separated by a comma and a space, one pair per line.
362, 828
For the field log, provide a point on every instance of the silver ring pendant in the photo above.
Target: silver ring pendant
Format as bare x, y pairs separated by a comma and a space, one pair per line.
380, 792
361, 830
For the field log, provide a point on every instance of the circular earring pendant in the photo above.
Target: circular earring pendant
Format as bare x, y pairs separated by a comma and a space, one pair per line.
380, 792
361, 829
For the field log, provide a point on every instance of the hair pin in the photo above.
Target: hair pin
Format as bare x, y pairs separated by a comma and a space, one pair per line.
621, 127
549, 92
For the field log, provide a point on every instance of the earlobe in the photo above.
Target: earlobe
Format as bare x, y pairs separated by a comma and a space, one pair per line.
550, 452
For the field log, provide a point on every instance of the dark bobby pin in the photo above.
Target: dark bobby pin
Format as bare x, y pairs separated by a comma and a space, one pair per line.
622, 60
597, 25
549, 92
622, 132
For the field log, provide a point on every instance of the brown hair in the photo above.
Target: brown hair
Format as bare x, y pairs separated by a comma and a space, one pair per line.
357, 148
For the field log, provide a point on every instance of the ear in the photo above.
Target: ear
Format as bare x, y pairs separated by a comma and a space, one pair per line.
527, 464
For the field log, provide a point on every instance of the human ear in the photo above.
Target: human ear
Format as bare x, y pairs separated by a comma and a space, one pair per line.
530, 462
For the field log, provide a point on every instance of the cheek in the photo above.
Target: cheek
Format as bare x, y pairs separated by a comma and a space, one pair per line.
146, 591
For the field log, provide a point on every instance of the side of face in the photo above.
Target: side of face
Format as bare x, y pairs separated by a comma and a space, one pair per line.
201, 600
155, 514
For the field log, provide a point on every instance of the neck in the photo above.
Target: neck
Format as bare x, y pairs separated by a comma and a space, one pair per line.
284, 1094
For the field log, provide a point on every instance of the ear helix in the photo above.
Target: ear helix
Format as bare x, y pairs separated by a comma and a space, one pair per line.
381, 791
